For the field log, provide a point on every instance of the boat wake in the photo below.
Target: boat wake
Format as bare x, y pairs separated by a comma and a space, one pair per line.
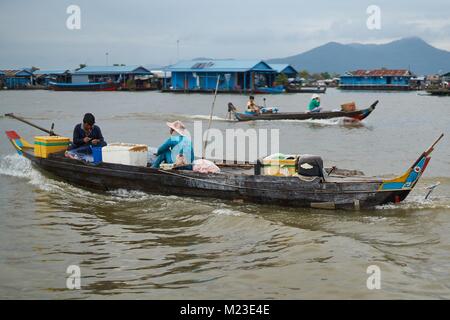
418, 202
17, 166
205, 117
337, 122
164, 117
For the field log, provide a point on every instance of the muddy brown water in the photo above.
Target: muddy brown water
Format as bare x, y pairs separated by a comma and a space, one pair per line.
135, 245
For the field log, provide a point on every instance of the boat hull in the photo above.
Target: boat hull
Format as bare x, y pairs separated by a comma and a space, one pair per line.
269, 90
282, 191
333, 192
100, 86
355, 115
439, 92
321, 90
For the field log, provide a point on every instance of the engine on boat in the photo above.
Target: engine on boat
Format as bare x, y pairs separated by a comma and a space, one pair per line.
310, 166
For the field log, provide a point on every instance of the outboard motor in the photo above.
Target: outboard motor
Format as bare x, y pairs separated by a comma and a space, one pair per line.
310, 166
231, 107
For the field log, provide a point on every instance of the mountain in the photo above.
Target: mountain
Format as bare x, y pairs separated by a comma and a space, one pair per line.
408, 53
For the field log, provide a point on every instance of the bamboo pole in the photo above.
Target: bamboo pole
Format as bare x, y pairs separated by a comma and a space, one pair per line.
205, 143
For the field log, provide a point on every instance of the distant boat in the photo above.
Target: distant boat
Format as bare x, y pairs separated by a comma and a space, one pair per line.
270, 90
439, 92
318, 90
355, 115
84, 86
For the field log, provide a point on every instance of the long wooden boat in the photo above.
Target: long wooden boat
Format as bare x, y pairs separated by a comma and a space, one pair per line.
439, 92
269, 90
355, 115
84, 86
328, 191
318, 90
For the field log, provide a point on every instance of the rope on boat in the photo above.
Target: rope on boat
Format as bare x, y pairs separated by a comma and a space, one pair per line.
260, 189
212, 182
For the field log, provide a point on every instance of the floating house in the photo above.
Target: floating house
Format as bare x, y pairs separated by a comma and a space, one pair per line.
18, 79
286, 69
2, 79
381, 79
43, 77
234, 75
127, 77
446, 77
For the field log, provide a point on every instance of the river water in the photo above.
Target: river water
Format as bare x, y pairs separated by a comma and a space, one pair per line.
134, 245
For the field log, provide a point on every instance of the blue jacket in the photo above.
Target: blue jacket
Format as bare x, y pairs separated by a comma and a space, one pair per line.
79, 134
178, 145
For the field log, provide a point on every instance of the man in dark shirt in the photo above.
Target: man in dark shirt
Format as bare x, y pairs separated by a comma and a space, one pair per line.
87, 133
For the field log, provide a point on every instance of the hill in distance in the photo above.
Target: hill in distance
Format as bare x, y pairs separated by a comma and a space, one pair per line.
409, 53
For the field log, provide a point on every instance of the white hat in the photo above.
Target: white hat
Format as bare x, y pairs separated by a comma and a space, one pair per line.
178, 126
315, 96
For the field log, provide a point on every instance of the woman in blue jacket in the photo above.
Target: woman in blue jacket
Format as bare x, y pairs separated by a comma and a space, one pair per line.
179, 145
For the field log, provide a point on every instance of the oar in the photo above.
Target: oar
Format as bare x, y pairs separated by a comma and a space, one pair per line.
205, 143
50, 132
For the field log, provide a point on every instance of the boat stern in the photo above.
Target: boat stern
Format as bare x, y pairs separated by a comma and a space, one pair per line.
18, 142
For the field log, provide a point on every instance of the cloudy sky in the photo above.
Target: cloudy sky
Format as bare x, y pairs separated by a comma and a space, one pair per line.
146, 31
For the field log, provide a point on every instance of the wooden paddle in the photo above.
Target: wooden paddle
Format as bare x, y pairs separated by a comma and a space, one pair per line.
50, 132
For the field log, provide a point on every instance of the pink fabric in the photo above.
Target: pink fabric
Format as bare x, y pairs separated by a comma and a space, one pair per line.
205, 166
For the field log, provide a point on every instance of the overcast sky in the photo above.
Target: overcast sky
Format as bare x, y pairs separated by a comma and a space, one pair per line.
146, 31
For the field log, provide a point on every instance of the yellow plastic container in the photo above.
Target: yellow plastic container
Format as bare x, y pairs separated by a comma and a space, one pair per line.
45, 145
275, 167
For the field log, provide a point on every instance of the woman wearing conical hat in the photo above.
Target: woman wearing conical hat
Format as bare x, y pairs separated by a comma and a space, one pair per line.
177, 148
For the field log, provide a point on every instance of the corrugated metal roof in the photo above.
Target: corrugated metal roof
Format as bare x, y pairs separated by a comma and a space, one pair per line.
45, 72
381, 73
16, 72
220, 66
112, 70
287, 68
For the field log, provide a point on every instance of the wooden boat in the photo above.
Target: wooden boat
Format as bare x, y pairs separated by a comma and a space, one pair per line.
84, 86
318, 90
239, 183
439, 92
355, 115
269, 90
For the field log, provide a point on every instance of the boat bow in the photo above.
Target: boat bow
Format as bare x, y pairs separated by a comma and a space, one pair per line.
409, 179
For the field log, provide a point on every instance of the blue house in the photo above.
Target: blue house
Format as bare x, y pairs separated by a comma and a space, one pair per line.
43, 77
235, 75
2, 79
90, 74
286, 69
381, 79
18, 79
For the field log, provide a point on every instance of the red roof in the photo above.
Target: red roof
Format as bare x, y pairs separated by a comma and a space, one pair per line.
381, 73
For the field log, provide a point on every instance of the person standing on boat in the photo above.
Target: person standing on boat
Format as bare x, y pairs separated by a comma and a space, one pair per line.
314, 104
87, 133
177, 149
252, 107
